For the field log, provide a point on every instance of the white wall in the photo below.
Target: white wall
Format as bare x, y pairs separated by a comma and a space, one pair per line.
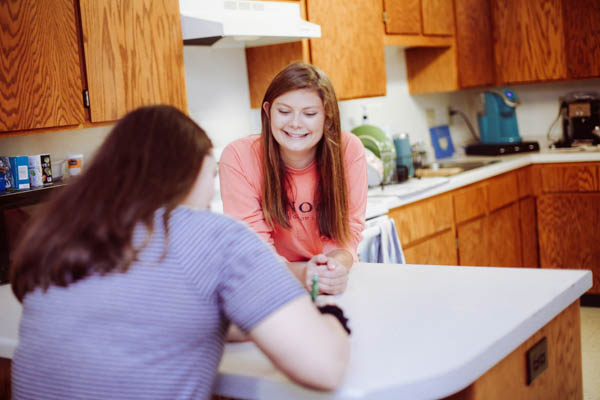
218, 98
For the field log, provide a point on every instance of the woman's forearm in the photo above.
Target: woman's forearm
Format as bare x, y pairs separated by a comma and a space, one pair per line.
298, 268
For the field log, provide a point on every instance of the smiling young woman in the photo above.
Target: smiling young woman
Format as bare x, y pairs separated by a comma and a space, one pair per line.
302, 184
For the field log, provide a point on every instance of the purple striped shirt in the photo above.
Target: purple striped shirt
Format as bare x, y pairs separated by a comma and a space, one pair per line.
158, 330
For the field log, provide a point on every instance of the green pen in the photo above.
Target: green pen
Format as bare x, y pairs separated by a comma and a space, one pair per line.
315, 287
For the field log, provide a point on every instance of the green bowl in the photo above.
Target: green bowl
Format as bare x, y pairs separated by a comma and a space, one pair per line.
374, 139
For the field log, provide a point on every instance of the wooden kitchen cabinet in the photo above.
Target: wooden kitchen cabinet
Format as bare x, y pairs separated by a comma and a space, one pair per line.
426, 231
5, 384
568, 217
569, 232
126, 56
466, 61
488, 222
474, 43
582, 41
529, 236
439, 249
41, 83
402, 17
529, 42
504, 237
134, 56
418, 17
350, 50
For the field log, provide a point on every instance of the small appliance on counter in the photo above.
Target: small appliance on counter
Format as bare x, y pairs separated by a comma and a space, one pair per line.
580, 117
498, 129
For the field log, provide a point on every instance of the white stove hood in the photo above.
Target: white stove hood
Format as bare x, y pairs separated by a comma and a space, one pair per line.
239, 23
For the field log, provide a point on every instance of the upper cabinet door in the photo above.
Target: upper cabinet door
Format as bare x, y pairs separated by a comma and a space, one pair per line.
529, 40
40, 69
134, 55
402, 17
438, 18
582, 38
350, 49
474, 44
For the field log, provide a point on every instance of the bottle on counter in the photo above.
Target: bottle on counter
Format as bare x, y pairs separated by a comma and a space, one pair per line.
404, 161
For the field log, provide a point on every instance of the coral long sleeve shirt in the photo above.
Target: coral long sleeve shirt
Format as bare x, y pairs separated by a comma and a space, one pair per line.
240, 174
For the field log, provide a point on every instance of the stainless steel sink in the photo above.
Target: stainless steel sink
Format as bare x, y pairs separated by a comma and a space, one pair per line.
465, 165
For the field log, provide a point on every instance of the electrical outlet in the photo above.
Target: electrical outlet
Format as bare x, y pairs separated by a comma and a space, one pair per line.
537, 360
430, 116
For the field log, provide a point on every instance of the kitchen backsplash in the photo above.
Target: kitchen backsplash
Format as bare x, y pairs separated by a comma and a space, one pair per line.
218, 99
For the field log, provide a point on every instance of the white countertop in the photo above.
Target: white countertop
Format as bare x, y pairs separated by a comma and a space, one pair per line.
417, 331
378, 203
420, 332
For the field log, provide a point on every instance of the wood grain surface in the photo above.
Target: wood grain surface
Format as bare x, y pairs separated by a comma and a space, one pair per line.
504, 237
438, 17
406, 41
569, 232
528, 40
474, 43
427, 217
264, 62
40, 72
350, 50
526, 181
403, 16
5, 376
473, 238
470, 202
133, 54
439, 249
582, 38
576, 177
502, 190
529, 238
562, 380
431, 70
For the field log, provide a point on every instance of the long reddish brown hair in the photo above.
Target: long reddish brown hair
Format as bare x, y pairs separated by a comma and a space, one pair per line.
150, 160
331, 197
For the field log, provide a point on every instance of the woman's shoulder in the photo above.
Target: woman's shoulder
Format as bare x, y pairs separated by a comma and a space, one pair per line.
206, 224
242, 150
352, 145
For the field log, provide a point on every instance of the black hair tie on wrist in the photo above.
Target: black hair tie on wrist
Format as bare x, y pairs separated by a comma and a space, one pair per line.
336, 312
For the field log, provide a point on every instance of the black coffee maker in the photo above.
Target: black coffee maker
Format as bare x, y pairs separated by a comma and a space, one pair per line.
580, 113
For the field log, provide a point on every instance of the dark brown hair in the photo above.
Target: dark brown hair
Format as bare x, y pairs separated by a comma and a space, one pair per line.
331, 197
150, 159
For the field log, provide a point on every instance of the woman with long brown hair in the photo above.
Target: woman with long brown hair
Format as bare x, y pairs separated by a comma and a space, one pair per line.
302, 184
129, 283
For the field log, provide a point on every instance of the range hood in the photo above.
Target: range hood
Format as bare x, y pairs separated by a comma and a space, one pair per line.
243, 23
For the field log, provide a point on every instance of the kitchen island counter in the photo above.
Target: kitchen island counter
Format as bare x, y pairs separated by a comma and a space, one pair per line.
418, 331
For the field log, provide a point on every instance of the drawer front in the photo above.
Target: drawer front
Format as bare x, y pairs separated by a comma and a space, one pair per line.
469, 203
437, 250
569, 178
424, 218
502, 190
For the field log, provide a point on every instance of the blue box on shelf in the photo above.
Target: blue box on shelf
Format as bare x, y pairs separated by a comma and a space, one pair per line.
20, 172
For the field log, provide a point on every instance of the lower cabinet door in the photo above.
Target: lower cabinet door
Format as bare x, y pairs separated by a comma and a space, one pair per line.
504, 240
439, 249
569, 232
472, 242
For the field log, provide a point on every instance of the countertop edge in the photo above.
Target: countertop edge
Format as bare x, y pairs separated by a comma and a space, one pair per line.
506, 164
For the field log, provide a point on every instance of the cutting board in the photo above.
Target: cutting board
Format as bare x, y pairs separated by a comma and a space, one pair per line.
427, 172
